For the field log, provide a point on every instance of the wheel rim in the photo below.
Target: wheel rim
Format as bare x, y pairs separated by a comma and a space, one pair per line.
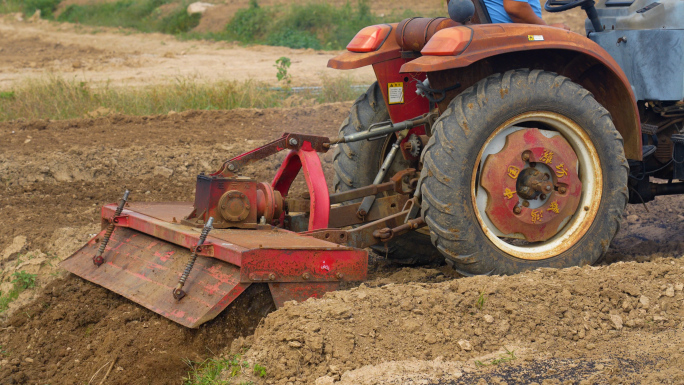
576, 216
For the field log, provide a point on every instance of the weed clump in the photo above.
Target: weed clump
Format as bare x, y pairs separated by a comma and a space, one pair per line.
313, 25
145, 16
21, 282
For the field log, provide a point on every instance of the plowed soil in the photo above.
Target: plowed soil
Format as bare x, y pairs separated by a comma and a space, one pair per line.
404, 325
619, 322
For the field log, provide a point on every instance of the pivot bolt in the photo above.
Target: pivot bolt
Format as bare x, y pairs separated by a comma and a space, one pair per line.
517, 210
306, 275
293, 141
339, 275
271, 277
231, 167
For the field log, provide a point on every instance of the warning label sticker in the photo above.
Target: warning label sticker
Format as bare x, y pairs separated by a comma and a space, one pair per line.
535, 37
396, 93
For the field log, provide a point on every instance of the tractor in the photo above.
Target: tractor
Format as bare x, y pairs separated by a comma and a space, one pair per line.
498, 147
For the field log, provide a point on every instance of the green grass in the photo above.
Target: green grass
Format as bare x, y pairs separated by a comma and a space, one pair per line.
29, 7
313, 25
211, 371
21, 282
57, 98
142, 15
503, 358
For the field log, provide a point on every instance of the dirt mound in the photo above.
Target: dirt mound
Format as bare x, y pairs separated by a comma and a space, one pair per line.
560, 314
89, 327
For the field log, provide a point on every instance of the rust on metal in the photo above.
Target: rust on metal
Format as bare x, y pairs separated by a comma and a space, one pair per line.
534, 222
145, 260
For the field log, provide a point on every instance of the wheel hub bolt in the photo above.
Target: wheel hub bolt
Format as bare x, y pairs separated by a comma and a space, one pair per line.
517, 209
526, 203
548, 188
562, 189
293, 141
526, 156
542, 196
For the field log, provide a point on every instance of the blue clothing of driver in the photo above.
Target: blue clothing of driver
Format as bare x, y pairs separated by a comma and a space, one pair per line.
498, 14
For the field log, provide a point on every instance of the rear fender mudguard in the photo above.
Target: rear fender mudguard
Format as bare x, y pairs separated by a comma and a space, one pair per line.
352, 60
496, 48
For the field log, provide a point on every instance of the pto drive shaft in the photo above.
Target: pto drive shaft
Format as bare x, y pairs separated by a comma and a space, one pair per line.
178, 292
98, 259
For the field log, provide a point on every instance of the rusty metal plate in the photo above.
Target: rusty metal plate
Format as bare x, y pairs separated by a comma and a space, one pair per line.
502, 171
145, 270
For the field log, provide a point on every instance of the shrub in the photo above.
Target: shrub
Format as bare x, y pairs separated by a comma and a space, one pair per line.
46, 7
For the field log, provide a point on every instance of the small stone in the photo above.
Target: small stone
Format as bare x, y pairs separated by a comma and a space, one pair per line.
77, 64
679, 286
632, 218
325, 380
29, 360
488, 318
4, 362
617, 321
431, 339
295, 344
163, 171
465, 345
644, 301
591, 346
669, 292
77, 361
599, 366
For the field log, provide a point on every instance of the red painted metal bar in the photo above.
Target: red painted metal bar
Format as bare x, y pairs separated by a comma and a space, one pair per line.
309, 162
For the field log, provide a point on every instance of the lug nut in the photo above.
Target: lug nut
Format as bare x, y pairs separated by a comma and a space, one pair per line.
517, 209
548, 188
542, 196
562, 189
526, 156
526, 204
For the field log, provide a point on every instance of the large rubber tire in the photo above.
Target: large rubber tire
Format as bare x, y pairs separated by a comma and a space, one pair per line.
356, 165
449, 161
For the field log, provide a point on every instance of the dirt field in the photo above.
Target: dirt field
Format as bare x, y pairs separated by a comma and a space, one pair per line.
403, 324
120, 58
619, 322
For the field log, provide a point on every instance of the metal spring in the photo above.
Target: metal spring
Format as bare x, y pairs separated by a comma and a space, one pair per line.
110, 228
193, 257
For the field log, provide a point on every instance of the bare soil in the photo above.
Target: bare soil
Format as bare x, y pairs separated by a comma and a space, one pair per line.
404, 325
619, 322
123, 58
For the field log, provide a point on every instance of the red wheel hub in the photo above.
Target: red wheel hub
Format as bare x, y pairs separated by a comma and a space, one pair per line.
515, 189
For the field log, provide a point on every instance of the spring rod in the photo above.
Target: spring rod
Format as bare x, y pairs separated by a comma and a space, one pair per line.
178, 292
98, 259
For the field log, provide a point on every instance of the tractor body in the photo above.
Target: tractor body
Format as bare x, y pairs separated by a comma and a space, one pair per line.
500, 148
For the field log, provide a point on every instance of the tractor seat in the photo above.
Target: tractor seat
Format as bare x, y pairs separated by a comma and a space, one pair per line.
412, 34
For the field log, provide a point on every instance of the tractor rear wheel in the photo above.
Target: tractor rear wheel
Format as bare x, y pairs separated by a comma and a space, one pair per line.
524, 170
356, 165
